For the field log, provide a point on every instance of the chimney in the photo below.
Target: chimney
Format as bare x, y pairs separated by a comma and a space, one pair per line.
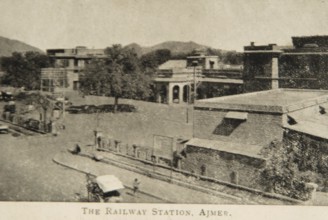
252, 43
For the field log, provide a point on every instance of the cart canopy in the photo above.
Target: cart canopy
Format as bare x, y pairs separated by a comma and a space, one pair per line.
108, 183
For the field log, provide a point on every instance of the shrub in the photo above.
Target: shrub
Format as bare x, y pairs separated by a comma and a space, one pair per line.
281, 174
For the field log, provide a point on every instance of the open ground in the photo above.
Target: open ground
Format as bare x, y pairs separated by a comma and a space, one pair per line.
28, 172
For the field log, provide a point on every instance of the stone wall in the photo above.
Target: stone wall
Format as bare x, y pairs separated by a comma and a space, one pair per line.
301, 71
257, 65
306, 71
237, 169
258, 129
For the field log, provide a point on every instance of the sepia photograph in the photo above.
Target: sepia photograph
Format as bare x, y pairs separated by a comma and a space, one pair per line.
164, 109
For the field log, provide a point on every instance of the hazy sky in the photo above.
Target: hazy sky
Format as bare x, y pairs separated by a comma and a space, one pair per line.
225, 24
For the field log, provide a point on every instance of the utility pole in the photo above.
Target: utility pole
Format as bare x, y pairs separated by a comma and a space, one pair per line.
194, 64
64, 85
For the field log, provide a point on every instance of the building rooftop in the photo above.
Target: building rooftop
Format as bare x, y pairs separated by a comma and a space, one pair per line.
202, 56
80, 51
309, 127
198, 79
319, 41
222, 80
313, 122
279, 100
173, 64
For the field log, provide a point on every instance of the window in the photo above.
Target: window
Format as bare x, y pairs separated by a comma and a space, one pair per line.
211, 64
227, 126
230, 122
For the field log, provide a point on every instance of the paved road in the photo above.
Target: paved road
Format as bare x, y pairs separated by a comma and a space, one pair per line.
28, 173
169, 192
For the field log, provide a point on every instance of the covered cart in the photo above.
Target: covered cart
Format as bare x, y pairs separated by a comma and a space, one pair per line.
106, 188
4, 128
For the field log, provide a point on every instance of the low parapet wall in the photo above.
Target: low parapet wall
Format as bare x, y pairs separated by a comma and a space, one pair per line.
143, 155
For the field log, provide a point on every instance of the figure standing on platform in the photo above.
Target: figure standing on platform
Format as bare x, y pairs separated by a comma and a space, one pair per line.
136, 184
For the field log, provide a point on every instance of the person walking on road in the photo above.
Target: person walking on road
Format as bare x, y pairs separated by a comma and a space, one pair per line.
136, 184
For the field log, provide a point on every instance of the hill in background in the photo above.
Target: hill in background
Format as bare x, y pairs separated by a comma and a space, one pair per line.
8, 46
176, 47
179, 50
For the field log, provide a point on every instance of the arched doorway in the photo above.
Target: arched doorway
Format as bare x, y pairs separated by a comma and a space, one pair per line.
176, 93
186, 91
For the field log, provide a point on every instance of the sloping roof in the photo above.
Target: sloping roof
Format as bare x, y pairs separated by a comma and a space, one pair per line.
173, 64
224, 146
314, 124
311, 128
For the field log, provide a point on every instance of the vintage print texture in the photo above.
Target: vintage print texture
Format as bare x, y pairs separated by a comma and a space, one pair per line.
159, 102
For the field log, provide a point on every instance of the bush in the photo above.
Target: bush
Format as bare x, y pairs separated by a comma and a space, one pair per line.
281, 174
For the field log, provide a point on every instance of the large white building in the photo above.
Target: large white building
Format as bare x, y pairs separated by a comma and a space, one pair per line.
175, 79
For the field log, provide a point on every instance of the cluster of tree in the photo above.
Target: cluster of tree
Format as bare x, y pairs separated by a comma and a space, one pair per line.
282, 173
150, 61
119, 75
233, 58
24, 70
307, 72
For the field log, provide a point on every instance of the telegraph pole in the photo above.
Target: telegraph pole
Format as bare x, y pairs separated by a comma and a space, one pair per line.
194, 64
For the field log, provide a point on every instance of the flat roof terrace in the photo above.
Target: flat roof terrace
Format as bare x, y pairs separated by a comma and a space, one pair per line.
279, 100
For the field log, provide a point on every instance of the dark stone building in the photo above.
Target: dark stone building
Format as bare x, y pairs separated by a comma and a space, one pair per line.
230, 132
303, 65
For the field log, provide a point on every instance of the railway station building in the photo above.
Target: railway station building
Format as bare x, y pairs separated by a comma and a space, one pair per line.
230, 132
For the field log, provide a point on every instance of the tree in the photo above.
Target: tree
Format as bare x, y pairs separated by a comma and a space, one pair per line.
232, 57
150, 61
42, 104
214, 52
118, 76
24, 69
281, 174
